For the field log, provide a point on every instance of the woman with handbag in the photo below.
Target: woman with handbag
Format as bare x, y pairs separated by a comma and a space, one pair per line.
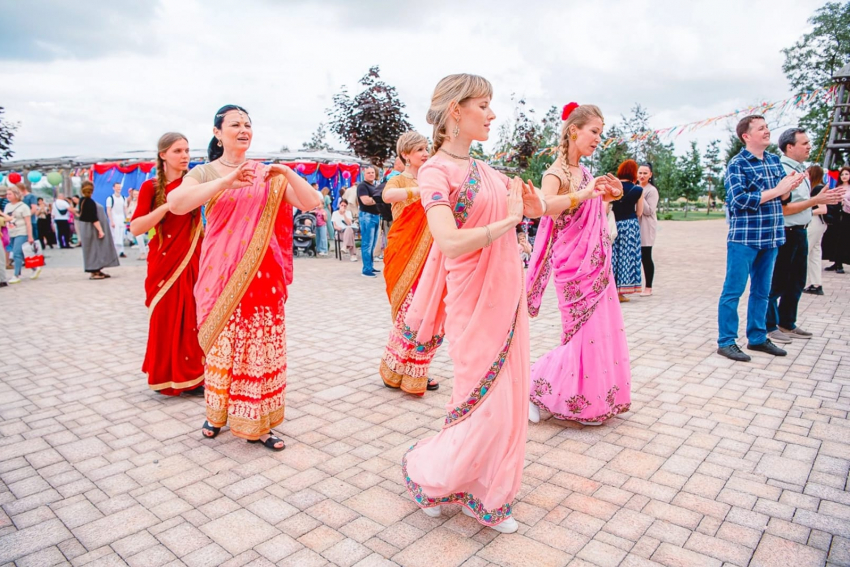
586, 378
18, 222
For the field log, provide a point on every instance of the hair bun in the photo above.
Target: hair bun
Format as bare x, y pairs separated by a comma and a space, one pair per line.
568, 109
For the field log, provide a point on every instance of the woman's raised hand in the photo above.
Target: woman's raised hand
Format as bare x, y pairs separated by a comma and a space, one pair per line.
276, 169
614, 187
240, 177
532, 199
515, 199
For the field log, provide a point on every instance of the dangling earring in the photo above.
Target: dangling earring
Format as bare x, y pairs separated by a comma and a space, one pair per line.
219, 142
456, 130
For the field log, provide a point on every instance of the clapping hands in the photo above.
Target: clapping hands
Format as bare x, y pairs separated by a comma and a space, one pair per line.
606, 186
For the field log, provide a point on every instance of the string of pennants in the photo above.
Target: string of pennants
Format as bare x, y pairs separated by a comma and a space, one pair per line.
801, 100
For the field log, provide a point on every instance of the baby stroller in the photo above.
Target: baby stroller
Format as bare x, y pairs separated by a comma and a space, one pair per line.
304, 234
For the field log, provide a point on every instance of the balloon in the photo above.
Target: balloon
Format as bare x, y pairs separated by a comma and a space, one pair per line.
346, 175
54, 178
14, 178
34, 176
300, 168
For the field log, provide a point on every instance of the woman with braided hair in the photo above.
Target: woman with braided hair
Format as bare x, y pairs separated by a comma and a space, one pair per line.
587, 377
174, 361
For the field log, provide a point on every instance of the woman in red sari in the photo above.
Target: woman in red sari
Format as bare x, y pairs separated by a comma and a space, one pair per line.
406, 360
245, 267
174, 362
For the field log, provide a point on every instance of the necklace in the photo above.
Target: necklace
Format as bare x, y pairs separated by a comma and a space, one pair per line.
448, 153
226, 163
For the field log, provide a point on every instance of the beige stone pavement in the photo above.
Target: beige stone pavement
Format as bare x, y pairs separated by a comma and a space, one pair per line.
716, 464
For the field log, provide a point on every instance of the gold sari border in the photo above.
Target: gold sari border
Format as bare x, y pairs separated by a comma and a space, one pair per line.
245, 270
179, 271
177, 385
411, 272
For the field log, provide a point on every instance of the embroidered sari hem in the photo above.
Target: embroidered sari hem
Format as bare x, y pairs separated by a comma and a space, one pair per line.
188, 385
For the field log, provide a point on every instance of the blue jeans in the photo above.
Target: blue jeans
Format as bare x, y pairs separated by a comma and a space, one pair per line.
322, 239
17, 245
368, 235
743, 262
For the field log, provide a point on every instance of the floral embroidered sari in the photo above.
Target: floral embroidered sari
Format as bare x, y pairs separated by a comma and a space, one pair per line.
405, 362
246, 264
586, 378
477, 458
174, 361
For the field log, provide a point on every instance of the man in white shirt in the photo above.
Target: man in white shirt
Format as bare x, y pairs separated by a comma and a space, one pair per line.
344, 224
61, 212
116, 210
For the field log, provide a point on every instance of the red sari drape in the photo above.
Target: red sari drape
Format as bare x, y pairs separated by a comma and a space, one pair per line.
174, 361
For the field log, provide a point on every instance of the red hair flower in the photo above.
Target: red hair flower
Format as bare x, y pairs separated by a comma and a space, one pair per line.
568, 109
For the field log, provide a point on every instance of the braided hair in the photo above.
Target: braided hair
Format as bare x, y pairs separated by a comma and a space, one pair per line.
165, 142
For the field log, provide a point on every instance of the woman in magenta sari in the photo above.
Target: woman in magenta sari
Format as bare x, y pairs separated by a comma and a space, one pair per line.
472, 286
587, 378
245, 267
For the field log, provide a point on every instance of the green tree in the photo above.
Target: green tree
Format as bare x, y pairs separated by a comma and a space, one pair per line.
317, 141
7, 135
812, 62
608, 159
689, 175
637, 126
713, 165
477, 151
371, 122
664, 173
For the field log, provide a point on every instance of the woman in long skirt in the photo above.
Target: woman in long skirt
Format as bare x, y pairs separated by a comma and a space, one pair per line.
245, 268
472, 285
174, 361
406, 360
625, 253
98, 249
587, 378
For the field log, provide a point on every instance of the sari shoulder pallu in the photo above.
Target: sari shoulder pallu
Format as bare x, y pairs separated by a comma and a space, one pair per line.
476, 459
174, 361
406, 361
586, 378
245, 268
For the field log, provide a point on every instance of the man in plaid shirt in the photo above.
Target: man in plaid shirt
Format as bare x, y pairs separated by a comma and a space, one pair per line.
755, 183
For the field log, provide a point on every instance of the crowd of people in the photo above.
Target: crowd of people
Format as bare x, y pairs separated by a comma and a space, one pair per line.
449, 229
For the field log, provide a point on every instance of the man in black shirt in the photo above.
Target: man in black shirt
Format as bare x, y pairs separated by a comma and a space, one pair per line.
369, 196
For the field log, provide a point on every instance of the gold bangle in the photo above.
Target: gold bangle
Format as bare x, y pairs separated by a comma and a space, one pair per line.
489, 238
409, 194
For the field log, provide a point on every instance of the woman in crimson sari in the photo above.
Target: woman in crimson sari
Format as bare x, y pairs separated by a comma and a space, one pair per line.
174, 362
472, 285
245, 267
587, 378
405, 362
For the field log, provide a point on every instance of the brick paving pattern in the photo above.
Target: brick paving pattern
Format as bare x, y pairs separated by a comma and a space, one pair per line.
717, 464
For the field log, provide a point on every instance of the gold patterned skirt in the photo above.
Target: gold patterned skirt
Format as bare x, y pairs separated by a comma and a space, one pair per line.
245, 370
405, 362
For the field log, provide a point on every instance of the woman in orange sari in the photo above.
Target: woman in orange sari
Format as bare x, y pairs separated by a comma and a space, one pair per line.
472, 285
174, 362
405, 362
245, 267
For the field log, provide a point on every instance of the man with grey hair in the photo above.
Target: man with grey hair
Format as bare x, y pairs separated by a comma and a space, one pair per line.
789, 272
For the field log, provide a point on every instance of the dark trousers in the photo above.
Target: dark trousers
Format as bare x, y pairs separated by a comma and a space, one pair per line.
789, 279
63, 227
648, 265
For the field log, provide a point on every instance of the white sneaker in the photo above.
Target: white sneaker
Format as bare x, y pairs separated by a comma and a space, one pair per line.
35, 273
591, 423
533, 413
434, 512
509, 526
14, 280
354, 258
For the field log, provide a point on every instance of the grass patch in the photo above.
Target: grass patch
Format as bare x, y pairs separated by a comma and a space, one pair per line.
692, 215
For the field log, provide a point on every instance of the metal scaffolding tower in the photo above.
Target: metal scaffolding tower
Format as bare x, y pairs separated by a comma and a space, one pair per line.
838, 144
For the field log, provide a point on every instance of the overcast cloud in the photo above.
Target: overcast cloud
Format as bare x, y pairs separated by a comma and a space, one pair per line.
105, 76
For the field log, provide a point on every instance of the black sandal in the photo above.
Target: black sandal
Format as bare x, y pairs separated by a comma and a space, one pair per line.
207, 427
270, 443
432, 385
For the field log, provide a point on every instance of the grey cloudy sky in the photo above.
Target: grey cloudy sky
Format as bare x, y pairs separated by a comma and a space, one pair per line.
99, 76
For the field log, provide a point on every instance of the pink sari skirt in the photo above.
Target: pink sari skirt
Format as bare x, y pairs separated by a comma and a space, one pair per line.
588, 377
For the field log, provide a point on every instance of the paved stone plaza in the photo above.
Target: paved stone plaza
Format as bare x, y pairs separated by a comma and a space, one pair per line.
718, 463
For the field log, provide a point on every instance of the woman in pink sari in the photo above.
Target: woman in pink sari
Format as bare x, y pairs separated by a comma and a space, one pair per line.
472, 286
245, 267
587, 378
